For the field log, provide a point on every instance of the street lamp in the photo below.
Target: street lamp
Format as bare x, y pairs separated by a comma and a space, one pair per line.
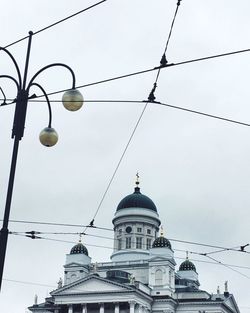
72, 101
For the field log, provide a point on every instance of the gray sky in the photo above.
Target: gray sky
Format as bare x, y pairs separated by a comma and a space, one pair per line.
195, 169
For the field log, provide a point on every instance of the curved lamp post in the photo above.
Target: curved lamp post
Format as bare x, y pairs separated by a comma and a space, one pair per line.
72, 101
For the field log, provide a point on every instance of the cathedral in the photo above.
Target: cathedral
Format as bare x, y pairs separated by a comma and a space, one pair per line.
141, 276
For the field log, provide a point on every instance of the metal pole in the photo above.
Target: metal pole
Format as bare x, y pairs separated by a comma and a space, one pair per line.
4, 231
17, 134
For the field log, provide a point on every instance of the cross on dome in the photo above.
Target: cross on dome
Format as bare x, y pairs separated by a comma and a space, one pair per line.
137, 182
161, 232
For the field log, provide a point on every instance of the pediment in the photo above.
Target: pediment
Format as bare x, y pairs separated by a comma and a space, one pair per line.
73, 264
91, 284
230, 301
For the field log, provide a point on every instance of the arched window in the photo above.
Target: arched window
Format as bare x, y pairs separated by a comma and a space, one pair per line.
158, 277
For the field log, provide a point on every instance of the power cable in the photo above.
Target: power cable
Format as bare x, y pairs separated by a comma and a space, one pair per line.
117, 167
152, 69
202, 113
33, 234
150, 98
208, 245
229, 267
144, 71
56, 224
105, 247
56, 23
164, 61
27, 283
57, 240
159, 103
110, 229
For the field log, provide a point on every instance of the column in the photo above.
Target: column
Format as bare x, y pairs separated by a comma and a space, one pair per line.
84, 308
101, 308
131, 306
117, 307
70, 308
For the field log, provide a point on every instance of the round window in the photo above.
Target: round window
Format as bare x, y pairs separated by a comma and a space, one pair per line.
128, 229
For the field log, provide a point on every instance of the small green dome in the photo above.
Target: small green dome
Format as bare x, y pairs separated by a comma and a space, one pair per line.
161, 242
79, 249
187, 266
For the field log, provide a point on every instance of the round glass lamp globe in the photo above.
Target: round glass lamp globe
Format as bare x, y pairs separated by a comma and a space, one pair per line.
48, 137
72, 100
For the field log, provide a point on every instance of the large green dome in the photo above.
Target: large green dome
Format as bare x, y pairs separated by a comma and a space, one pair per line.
136, 200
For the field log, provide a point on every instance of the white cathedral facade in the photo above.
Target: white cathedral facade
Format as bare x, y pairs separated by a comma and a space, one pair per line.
140, 278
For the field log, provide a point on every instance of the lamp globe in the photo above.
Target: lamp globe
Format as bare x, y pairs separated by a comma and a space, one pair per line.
48, 137
72, 100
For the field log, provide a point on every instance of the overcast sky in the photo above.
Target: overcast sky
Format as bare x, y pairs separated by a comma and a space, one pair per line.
195, 169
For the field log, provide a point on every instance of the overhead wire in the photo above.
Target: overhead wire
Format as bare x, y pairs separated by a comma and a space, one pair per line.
118, 165
34, 235
28, 283
111, 248
163, 59
150, 70
140, 72
229, 267
110, 229
202, 113
159, 103
56, 23
56, 240
55, 224
132, 134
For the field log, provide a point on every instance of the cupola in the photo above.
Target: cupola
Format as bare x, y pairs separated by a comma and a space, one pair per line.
136, 223
77, 263
187, 266
187, 277
79, 249
161, 242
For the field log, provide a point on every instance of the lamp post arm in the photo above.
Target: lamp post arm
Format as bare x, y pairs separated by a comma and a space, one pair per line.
13, 79
15, 63
53, 65
47, 99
